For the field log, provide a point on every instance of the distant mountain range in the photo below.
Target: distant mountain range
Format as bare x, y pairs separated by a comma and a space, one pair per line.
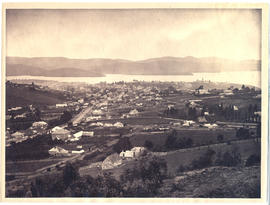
65, 67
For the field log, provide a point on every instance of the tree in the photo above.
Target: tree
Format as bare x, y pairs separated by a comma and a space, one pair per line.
171, 140
258, 131
122, 145
148, 144
145, 179
204, 161
70, 174
220, 138
230, 160
37, 114
235, 90
242, 133
200, 88
252, 160
65, 117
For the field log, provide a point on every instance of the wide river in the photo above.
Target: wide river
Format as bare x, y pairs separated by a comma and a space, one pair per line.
244, 77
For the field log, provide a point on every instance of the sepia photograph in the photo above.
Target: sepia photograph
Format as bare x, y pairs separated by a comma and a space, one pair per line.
144, 101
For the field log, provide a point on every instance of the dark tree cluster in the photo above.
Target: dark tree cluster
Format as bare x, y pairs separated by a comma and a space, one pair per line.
122, 145
146, 179
174, 142
242, 133
143, 180
204, 161
64, 118
35, 148
192, 113
253, 160
229, 159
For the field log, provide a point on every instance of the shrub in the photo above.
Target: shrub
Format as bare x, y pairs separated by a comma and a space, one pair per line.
252, 160
242, 133
172, 142
148, 144
204, 161
70, 174
146, 179
181, 168
229, 159
122, 145
220, 138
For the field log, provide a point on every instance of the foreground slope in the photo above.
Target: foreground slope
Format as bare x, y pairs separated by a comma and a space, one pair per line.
215, 182
24, 96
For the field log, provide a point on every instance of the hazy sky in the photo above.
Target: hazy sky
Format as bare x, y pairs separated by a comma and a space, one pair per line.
134, 34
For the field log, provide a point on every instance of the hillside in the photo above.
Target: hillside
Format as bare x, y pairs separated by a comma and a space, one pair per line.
21, 69
24, 96
65, 67
215, 182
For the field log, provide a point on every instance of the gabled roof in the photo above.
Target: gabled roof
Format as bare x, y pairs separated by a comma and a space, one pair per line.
59, 130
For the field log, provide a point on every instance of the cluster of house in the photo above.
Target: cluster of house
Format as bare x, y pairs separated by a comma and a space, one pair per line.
221, 93
59, 133
190, 123
61, 152
37, 128
100, 124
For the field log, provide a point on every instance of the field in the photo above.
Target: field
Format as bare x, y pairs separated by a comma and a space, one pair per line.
199, 136
30, 166
184, 157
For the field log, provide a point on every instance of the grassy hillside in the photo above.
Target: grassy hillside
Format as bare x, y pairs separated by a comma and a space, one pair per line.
215, 182
23, 96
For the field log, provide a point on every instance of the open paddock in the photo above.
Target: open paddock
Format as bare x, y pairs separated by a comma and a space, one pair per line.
199, 136
29, 166
184, 157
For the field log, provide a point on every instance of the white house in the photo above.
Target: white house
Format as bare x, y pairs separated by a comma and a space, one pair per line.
118, 124
188, 123
134, 112
134, 152
17, 134
92, 118
78, 134
20, 116
235, 108
77, 152
61, 105
202, 92
81, 101
15, 108
40, 124
88, 133
127, 154
97, 112
108, 125
58, 151
138, 151
228, 92
211, 126
60, 133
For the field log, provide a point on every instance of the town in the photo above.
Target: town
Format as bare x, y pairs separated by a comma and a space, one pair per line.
107, 130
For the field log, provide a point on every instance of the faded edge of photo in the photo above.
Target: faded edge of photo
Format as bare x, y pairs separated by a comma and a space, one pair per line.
264, 88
